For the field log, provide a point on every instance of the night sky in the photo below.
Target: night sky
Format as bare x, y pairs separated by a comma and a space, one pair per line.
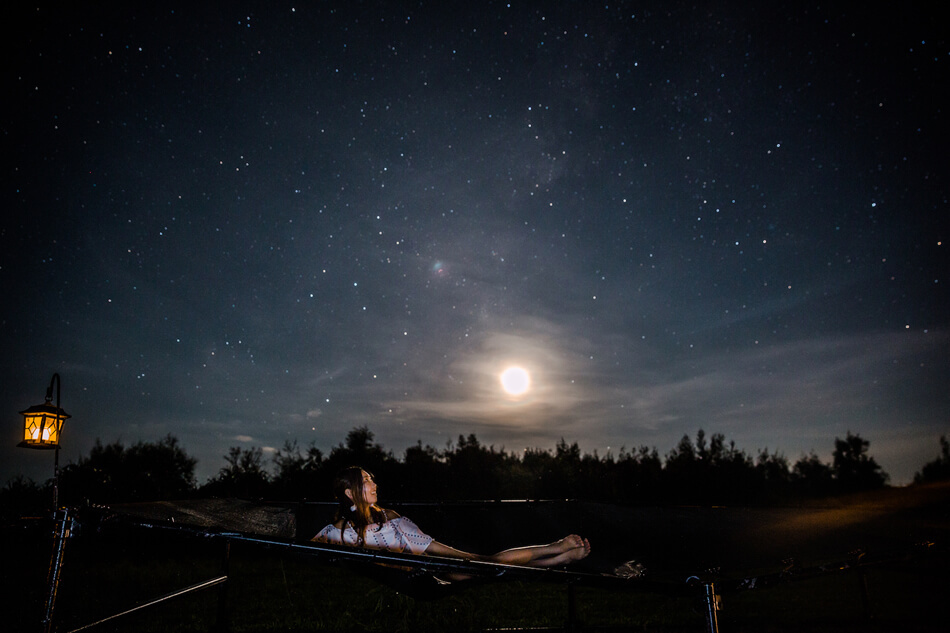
246, 224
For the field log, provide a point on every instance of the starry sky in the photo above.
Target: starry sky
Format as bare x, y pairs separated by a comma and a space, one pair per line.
244, 224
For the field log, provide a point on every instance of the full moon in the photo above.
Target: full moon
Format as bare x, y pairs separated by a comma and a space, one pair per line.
515, 381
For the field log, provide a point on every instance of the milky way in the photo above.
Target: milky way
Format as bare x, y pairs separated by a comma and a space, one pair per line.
245, 226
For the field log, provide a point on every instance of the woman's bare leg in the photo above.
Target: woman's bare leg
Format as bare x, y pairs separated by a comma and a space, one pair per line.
567, 550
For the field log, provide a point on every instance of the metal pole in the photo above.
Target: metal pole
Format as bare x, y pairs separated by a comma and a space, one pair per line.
56, 481
59, 411
56, 566
174, 594
712, 606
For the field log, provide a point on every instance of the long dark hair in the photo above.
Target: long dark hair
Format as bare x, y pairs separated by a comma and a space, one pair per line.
357, 512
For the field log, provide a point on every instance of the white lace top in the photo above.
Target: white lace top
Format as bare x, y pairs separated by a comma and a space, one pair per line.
396, 535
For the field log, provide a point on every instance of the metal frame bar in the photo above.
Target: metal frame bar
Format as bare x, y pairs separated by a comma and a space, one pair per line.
62, 531
175, 594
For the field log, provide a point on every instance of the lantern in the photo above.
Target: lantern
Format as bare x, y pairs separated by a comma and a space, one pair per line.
42, 426
43, 423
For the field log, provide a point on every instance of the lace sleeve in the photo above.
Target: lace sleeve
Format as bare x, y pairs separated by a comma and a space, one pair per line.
415, 539
329, 534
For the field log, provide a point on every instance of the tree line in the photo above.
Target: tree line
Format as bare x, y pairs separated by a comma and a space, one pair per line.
700, 470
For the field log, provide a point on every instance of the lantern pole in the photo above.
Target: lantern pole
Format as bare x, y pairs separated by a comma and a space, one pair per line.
61, 519
62, 523
49, 395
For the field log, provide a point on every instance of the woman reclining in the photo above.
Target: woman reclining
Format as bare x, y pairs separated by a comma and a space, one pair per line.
362, 523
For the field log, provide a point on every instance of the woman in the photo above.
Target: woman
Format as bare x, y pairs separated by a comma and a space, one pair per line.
362, 523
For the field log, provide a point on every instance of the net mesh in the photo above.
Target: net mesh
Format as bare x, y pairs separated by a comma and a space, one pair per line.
228, 515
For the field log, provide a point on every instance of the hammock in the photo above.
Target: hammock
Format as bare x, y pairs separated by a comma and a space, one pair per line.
422, 577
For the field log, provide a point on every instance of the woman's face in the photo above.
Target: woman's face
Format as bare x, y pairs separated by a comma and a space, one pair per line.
369, 489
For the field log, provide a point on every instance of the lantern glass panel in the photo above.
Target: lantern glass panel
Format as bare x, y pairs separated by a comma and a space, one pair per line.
41, 428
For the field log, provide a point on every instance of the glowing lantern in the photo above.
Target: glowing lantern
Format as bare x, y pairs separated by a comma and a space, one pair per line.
43, 423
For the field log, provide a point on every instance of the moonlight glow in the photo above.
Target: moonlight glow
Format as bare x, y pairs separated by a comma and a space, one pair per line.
515, 381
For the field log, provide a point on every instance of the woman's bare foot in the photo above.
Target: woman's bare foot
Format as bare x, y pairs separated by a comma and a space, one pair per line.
570, 542
579, 552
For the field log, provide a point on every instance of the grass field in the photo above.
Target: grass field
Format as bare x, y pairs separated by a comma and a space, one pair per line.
268, 590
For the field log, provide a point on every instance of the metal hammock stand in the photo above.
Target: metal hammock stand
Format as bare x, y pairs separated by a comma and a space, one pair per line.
417, 576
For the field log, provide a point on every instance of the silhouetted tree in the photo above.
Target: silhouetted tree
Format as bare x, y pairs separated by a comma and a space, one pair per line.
476, 471
23, 497
596, 479
425, 473
707, 470
540, 466
640, 476
938, 469
298, 475
166, 471
774, 476
730, 473
853, 468
773, 467
244, 475
682, 473
565, 477
146, 471
360, 449
812, 477
708, 473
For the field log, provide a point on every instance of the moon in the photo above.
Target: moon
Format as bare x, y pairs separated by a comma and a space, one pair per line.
515, 381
